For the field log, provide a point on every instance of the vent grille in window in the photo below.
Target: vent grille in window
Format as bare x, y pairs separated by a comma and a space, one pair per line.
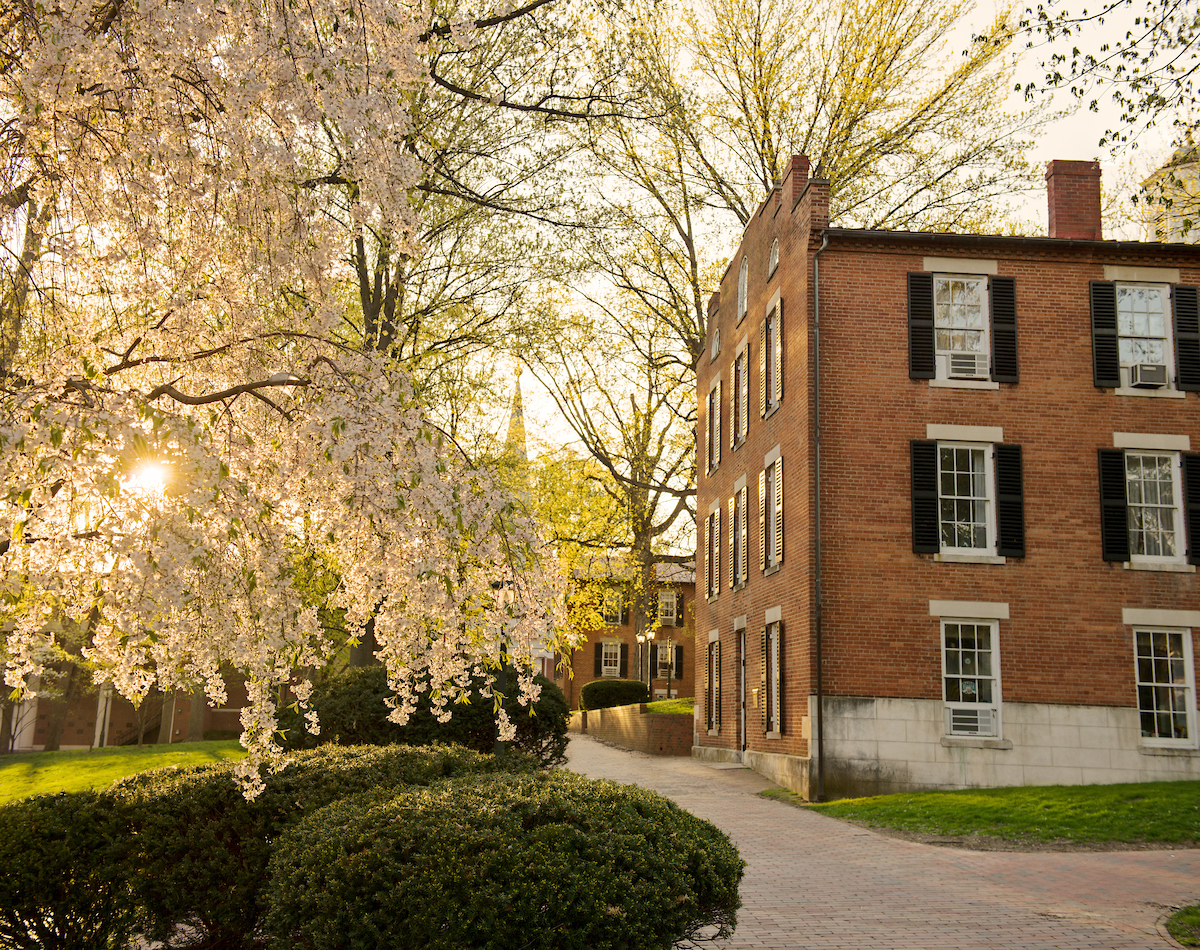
971, 721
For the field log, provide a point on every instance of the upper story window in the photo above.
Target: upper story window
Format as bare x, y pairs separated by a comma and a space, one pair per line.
739, 396
739, 561
1150, 505
771, 681
962, 329
668, 608
773, 260
715, 351
1145, 337
712, 553
712, 427
770, 513
967, 497
743, 274
770, 359
613, 609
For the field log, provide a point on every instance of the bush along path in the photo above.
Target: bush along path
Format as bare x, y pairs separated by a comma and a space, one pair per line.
178, 855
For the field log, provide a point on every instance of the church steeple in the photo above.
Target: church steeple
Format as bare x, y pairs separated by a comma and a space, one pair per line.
514, 444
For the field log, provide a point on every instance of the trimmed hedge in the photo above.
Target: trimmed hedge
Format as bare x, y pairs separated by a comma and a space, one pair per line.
353, 710
537, 862
63, 884
201, 849
602, 694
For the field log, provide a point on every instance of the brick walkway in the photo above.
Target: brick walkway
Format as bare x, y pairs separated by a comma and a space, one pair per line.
815, 882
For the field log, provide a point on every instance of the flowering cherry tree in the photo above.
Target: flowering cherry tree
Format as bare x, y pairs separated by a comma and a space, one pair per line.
188, 409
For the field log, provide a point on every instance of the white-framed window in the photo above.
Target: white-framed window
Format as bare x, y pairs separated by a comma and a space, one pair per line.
771, 680
1166, 686
739, 393
715, 350
712, 415
960, 326
1154, 508
712, 553
739, 560
743, 275
611, 659
770, 360
773, 259
966, 493
1144, 338
666, 662
612, 607
770, 515
668, 607
971, 676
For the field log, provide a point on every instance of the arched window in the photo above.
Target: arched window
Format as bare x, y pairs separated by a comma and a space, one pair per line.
741, 310
773, 260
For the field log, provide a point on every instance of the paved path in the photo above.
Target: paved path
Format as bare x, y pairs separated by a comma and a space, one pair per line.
815, 882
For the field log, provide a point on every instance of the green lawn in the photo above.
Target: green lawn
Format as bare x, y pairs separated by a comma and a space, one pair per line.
1151, 811
36, 773
1184, 925
682, 707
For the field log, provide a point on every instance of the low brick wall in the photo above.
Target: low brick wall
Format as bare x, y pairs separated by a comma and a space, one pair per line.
632, 727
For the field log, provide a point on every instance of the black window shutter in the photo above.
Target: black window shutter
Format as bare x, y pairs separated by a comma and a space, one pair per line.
924, 497
1187, 338
1114, 523
679, 608
599, 659
624, 608
624, 661
653, 661
779, 676
921, 363
678, 662
1191, 504
1010, 502
1003, 294
762, 678
1106, 364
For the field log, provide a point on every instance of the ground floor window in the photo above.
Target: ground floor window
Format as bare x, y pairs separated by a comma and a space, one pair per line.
1166, 686
771, 685
611, 660
971, 678
712, 687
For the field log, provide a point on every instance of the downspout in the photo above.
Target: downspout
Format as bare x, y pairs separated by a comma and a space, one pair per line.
817, 512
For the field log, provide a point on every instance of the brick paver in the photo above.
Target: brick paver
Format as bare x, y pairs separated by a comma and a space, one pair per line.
815, 882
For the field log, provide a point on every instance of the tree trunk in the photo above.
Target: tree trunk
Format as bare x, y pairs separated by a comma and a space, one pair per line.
6, 727
195, 726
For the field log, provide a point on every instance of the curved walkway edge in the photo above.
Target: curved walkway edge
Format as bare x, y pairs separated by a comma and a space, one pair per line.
815, 882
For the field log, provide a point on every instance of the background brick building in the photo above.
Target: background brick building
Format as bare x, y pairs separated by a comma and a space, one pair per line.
971, 523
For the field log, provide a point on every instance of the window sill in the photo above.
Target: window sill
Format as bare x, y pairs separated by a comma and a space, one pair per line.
772, 735
714, 732
1183, 751
971, 742
1163, 393
738, 443
736, 587
741, 317
963, 384
951, 558
771, 569
1171, 567
710, 599
771, 410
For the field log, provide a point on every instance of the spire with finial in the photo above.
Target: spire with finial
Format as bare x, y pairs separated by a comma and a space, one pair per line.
514, 444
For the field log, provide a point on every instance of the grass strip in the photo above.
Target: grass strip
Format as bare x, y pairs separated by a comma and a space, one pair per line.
40, 773
1184, 925
1132, 813
679, 707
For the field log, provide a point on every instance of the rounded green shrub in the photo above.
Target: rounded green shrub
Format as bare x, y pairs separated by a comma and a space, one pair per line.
538, 862
603, 694
201, 853
63, 885
352, 708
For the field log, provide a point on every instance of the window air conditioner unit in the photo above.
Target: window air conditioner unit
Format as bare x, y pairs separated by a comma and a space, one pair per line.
968, 366
970, 721
1148, 375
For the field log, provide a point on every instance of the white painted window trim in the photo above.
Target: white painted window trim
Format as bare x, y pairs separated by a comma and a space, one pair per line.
941, 358
615, 665
954, 433
743, 290
1151, 617
1168, 335
1141, 275
771, 456
1178, 562
987, 553
1152, 442
969, 609
773, 615
1190, 679
960, 265
978, 384
997, 702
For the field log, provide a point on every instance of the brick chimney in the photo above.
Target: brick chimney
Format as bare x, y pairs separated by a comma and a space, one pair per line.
797, 171
1073, 193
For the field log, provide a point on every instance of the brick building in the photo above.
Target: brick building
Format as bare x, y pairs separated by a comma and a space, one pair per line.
613, 650
981, 551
